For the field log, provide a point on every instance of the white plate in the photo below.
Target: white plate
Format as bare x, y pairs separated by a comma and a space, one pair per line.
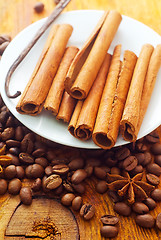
131, 34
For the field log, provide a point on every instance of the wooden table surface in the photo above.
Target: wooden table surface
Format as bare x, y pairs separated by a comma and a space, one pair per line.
15, 15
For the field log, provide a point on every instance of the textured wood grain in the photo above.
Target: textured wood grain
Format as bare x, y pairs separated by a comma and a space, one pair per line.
16, 15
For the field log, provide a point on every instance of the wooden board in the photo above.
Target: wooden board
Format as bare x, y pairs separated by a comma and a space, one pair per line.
17, 221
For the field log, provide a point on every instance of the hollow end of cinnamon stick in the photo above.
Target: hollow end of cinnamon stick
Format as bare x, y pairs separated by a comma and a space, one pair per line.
83, 132
128, 131
103, 141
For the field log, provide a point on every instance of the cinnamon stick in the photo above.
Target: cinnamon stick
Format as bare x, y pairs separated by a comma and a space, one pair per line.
54, 96
131, 113
34, 95
113, 99
87, 117
89, 59
66, 107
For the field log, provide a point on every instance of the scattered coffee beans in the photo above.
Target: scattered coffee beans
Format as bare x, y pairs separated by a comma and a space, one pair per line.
14, 186
53, 181
156, 194
67, 199
150, 203
109, 219
152, 179
122, 208
87, 211
77, 203
140, 208
154, 169
79, 176
145, 220
108, 231
158, 221
26, 195
3, 186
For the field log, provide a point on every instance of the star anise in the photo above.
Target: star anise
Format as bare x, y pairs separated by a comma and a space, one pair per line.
132, 188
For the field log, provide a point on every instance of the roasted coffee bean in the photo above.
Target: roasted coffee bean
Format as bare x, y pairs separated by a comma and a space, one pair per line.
50, 155
78, 176
10, 171
8, 133
3, 186
130, 163
3, 117
36, 186
26, 195
3, 46
67, 199
20, 172
147, 159
89, 170
110, 162
19, 133
156, 148
137, 169
4, 38
150, 203
100, 173
87, 211
115, 170
101, 187
145, 220
157, 159
152, 179
109, 231
114, 196
48, 170
27, 145
79, 188
158, 221
156, 194
34, 171
14, 150
39, 7
60, 169
122, 153
9, 122
122, 208
40, 152
68, 186
152, 137
26, 158
53, 181
141, 147
154, 169
14, 186
77, 203
12, 143
140, 208
15, 160
109, 219
76, 163
140, 157
42, 161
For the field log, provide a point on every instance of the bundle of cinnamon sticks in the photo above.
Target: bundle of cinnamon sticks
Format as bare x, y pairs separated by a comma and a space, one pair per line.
95, 92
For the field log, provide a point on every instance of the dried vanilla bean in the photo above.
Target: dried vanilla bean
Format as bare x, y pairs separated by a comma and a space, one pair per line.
58, 9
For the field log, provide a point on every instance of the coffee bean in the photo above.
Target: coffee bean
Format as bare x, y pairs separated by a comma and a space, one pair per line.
9, 122
76, 163
42, 161
78, 176
20, 172
12, 143
122, 209
140, 157
77, 203
10, 171
26, 195
8, 133
26, 158
40, 152
39, 7
100, 173
14, 186
109, 219
122, 153
67, 199
36, 186
157, 159
60, 169
48, 170
156, 148
89, 170
68, 186
141, 147
152, 137
4, 38
115, 170
145, 220
147, 159
154, 169
87, 211
150, 203
27, 145
3, 46
137, 169
3, 186
14, 151
50, 155
114, 196
3, 117
110, 162
34, 171
101, 187
79, 188
109, 231
152, 179
19, 133
140, 208
156, 194
14, 159
53, 181
130, 163
158, 221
